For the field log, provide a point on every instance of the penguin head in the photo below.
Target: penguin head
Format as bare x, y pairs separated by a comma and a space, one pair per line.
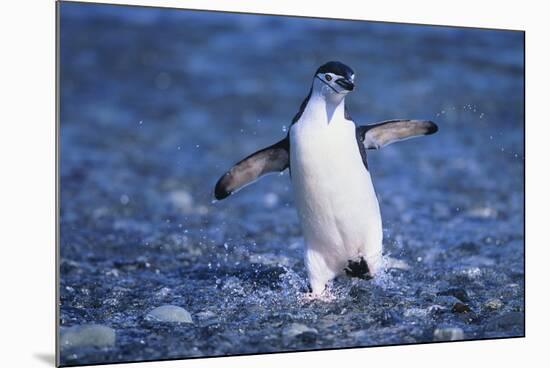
334, 79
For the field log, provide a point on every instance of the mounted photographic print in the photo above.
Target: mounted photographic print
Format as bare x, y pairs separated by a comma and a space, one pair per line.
394, 212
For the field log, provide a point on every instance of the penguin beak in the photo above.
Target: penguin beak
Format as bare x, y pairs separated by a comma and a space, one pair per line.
345, 84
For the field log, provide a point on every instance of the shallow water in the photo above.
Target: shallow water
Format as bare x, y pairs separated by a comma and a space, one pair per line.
157, 104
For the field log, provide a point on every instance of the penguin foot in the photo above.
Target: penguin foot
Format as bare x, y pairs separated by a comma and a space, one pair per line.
358, 269
325, 295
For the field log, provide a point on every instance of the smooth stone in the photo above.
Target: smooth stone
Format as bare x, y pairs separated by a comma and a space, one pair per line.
169, 313
493, 304
91, 335
297, 329
448, 334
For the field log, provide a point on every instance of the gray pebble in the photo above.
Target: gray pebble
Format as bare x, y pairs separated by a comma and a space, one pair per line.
493, 304
169, 313
297, 329
448, 334
91, 335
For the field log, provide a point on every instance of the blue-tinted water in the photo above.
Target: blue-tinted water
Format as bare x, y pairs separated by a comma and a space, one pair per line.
157, 104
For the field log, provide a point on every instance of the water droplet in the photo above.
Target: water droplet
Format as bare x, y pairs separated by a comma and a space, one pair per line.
124, 199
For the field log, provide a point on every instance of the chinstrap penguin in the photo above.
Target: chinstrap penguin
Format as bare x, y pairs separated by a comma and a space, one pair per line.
326, 154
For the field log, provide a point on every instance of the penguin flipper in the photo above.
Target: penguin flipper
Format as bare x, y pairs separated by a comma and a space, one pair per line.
378, 135
274, 158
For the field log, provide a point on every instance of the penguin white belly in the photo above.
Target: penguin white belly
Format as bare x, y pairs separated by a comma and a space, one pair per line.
335, 199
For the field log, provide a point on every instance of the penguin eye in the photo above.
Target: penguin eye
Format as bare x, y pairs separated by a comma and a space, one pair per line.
328, 77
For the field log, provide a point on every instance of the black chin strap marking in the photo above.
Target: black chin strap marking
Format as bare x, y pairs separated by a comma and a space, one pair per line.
321, 79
